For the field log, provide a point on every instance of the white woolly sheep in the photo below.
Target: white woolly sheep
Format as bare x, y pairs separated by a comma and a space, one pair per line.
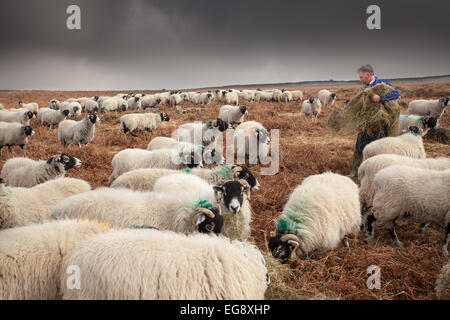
32, 106
24, 206
135, 122
245, 95
230, 97
51, 118
26, 173
114, 104
18, 117
130, 159
408, 144
14, 134
327, 98
233, 115
419, 194
54, 104
251, 138
164, 265
77, 132
311, 108
297, 95
320, 213
134, 103
32, 256
91, 106
74, 109
175, 99
182, 212
144, 179
205, 98
197, 133
442, 288
286, 96
371, 166
422, 122
277, 95
433, 108
263, 96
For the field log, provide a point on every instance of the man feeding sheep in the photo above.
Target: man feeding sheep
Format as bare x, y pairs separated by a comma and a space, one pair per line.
374, 112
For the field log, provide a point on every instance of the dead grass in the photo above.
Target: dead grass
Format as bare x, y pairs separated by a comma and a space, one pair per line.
306, 148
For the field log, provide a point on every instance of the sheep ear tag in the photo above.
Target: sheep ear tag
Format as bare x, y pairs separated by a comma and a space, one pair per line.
199, 218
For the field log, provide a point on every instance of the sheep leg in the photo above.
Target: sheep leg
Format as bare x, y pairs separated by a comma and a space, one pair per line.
22, 147
133, 134
310, 254
345, 242
364, 211
370, 227
9, 151
394, 235
423, 226
447, 232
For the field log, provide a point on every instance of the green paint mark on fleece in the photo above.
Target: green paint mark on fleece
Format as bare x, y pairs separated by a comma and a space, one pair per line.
187, 170
208, 124
224, 171
203, 204
291, 219
139, 227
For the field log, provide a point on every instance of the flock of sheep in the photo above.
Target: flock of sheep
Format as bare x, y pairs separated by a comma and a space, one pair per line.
168, 228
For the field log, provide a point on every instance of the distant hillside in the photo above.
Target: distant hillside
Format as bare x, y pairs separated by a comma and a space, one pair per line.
326, 83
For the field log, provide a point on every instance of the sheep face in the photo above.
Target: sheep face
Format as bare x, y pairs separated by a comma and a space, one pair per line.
65, 112
206, 223
246, 175
220, 125
213, 156
30, 115
284, 247
243, 110
311, 100
414, 129
429, 122
69, 161
333, 95
28, 131
231, 195
164, 117
262, 136
93, 118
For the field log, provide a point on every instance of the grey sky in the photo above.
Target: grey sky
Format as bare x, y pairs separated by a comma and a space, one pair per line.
141, 44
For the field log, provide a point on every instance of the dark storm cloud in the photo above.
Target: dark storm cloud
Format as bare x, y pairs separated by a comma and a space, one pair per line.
187, 43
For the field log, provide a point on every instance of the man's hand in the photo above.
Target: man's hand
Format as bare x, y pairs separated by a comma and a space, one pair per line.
376, 98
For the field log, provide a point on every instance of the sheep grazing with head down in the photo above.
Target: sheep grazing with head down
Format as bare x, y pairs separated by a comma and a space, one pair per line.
32, 256
297, 95
130, 159
311, 108
181, 212
136, 122
419, 194
144, 179
233, 115
433, 108
77, 132
26, 173
164, 265
91, 106
409, 144
320, 213
327, 98
24, 206
371, 166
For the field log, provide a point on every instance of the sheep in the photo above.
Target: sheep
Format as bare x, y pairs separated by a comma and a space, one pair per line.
210, 156
135, 122
408, 144
134, 103
251, 138
91, 106
245, 95
32, 106
233, 115
199, 134
102, 99
54, 104
371, 166
277, 95
26, 173
164, 98
230, 97
77, 132
74, 109
14, 134
205, 98
164, 265
144, 179
82, 101
420, 194
24, 206
263, 96
114, 104
311, 108
433, 108
182, 212
297, 95
31, 257
129, 159
320, 213
443, 281
327, 98
422, 122
18, 117
175, 99
51, 118
286, 96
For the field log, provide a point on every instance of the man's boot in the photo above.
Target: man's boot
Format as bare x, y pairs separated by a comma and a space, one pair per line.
357, 159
